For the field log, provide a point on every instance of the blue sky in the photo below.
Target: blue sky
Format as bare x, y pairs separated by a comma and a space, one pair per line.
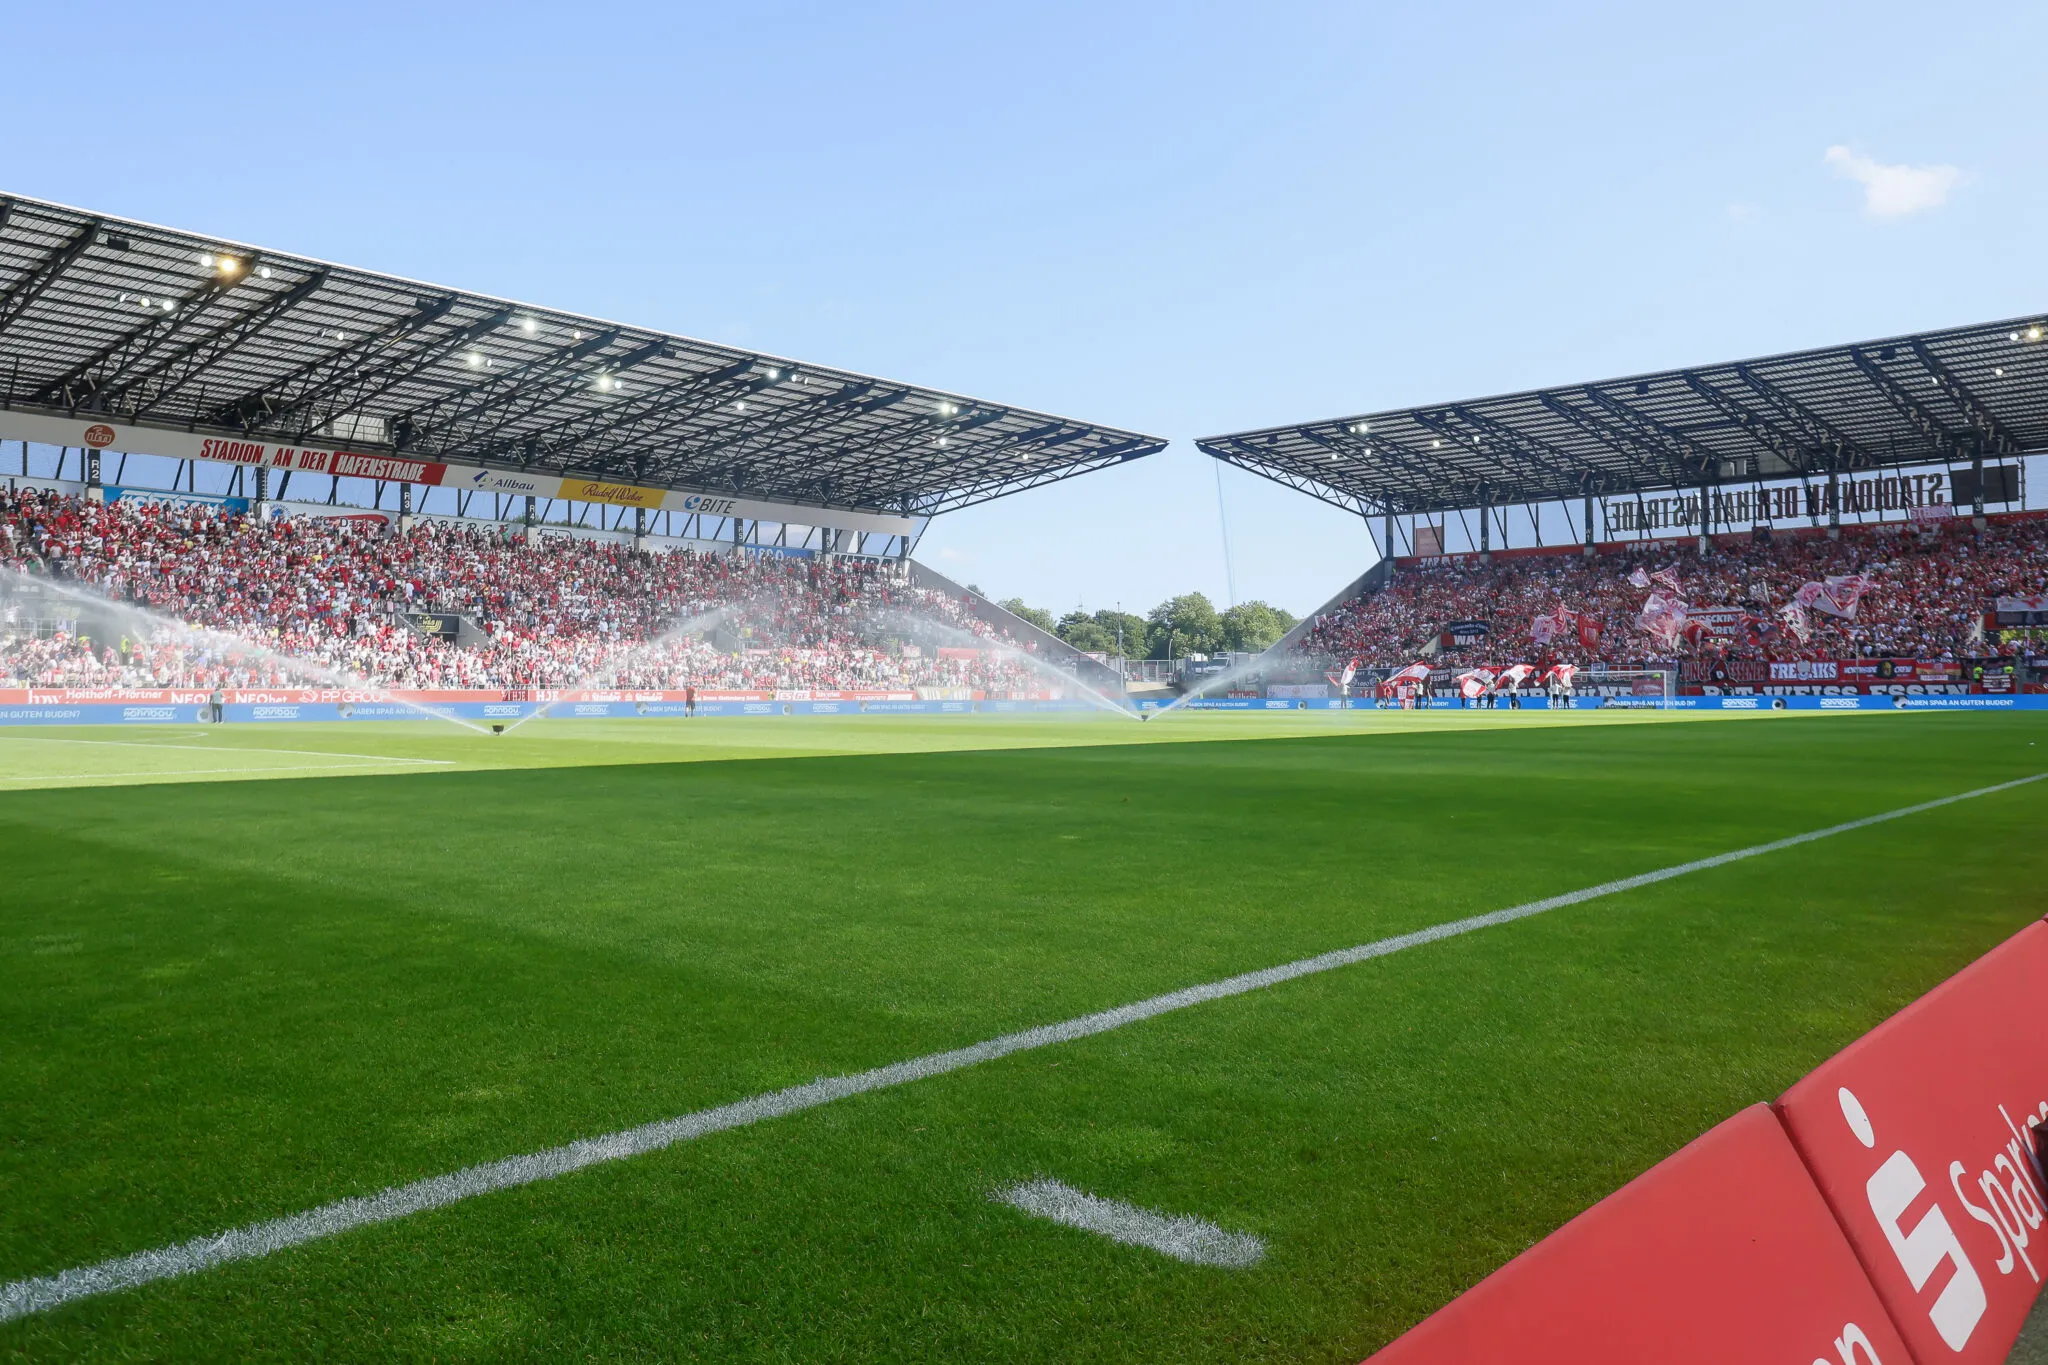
1184, 219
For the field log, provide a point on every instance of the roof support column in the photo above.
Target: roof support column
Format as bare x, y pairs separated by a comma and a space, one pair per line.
1590, 551
1706, 523
95, 493
639, 528
1976, 501
1387, 539
530, 532
1834, 505
1485, 531
404, 508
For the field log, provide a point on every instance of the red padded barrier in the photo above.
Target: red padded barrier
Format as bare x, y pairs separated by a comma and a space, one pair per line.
1926, 1137
1722, 1254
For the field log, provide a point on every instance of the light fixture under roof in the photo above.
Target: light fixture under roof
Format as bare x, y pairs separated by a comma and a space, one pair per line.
476, 359
229, 265
529, 325
206, 258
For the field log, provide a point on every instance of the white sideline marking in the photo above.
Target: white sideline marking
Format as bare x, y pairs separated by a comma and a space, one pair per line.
40, 1293
1179, 1236
218, 748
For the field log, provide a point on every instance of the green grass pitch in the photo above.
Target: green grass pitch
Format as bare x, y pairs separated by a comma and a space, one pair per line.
408, 949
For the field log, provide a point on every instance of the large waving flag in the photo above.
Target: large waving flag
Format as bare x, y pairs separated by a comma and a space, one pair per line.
1663, 619
1475, 681
1835, 596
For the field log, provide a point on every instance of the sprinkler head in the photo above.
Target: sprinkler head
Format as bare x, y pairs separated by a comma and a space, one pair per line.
497, 729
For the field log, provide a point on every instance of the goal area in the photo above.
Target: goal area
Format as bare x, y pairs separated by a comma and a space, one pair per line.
1624, 687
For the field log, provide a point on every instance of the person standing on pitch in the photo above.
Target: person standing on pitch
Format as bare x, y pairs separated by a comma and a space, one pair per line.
216, 706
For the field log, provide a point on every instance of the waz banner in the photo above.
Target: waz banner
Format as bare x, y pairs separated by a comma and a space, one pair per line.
184, 445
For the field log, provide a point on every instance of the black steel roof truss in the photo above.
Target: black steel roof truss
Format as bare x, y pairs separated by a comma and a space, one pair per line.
521, 391
32, 285
1979, 415
571, 433
1764, 430
1248, 457
311, 381
1942, 440
1393, 464
173, 371
1685, 451
1820, 436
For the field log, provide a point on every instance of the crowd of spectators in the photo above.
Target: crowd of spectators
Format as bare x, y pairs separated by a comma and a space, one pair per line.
1927, 597
205, 596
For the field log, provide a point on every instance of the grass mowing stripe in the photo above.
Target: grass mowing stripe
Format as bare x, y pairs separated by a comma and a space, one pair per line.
41, 1293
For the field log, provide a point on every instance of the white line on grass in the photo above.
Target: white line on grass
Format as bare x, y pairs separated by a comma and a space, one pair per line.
217, 748
39, 1293
1179, 1236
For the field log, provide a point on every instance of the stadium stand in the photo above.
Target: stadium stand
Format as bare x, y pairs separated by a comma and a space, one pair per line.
333, 594
1927, 598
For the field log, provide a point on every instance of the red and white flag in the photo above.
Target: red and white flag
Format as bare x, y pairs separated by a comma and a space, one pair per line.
1415, 672
1639, 579
1669, 578
1564, 673
1475, 682
1556, 625
1663, 619
1835, 596
1515, 675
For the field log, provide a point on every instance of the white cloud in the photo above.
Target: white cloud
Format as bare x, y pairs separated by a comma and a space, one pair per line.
1894, 191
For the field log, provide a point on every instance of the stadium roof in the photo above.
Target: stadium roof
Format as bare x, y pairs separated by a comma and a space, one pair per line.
156, 327
1951, 396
